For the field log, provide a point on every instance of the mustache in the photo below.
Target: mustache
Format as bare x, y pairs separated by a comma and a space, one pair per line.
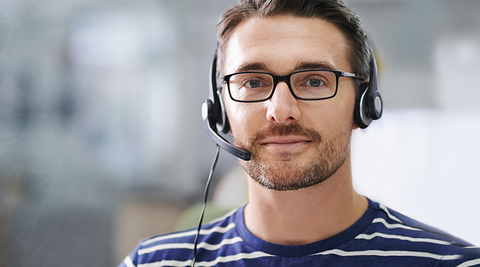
284, 130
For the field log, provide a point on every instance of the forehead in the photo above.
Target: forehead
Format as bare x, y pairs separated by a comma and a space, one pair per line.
281, 43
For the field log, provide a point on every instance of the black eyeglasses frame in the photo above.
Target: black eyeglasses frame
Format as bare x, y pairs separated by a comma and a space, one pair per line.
286, 79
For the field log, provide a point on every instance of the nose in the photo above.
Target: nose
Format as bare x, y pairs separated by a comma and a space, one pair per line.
283, 106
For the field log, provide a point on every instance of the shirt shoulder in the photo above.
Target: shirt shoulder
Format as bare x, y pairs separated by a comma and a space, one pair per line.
400, 232
177, 247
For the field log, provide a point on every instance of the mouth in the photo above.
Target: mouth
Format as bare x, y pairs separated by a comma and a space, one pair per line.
284, 140
281, 140
286, 143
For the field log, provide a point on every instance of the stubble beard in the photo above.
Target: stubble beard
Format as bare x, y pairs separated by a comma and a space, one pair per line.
284, 174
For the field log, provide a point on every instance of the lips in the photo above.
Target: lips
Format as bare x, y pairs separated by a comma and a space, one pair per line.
286, 143
284, 140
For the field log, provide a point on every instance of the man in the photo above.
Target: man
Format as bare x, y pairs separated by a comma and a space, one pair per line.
302, 210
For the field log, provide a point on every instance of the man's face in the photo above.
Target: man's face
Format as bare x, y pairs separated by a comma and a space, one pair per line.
294, 143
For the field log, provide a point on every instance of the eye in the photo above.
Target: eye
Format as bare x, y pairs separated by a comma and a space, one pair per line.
253, 83
314, 82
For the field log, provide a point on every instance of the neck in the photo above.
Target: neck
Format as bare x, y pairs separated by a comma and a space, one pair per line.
307, 215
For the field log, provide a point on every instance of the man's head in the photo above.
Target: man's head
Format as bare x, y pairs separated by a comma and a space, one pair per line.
294, 143
333, 11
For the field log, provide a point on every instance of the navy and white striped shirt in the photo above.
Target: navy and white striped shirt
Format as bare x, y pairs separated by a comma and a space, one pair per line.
381, 237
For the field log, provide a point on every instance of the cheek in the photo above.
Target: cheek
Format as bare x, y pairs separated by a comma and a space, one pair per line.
345, 114
244, 119
331, 116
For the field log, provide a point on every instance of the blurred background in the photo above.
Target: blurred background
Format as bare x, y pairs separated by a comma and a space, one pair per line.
102, 143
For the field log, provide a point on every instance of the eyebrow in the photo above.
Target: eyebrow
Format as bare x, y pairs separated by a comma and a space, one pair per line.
259, 66
255, 66
314, 65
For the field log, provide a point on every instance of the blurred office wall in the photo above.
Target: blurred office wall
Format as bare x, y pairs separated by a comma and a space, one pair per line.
101, 139
421, 157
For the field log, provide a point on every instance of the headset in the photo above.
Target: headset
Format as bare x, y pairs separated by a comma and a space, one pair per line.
368, 107
215, 117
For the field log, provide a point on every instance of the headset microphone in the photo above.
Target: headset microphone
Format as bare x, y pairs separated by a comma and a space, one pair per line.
214, 115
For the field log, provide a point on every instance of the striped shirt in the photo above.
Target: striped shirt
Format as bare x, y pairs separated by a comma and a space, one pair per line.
381, 237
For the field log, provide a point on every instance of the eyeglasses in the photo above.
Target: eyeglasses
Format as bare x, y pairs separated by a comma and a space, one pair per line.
257, 86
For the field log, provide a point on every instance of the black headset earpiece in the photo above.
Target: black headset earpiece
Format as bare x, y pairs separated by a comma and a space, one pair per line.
215, 117
369, 104
219, 116
223, 124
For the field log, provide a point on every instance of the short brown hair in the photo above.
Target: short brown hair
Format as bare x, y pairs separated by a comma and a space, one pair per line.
333, 11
